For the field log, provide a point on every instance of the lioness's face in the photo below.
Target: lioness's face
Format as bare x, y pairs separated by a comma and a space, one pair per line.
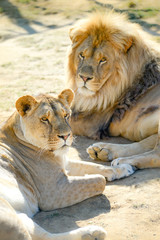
44, 120
94, 65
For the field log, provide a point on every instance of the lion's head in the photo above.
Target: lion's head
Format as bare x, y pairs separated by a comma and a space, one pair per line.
43, 120
106, 55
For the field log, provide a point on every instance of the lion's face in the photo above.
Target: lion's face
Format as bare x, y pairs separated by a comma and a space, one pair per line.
44, 120
94, 65
98, 55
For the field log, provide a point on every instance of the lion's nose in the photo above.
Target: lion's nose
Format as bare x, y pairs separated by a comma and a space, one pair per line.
64, 137
85, 79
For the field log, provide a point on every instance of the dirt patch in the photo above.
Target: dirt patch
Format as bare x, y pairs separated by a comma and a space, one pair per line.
32, 61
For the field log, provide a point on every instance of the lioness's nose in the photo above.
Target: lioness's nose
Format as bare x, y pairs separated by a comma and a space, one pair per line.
85, 79
64, 136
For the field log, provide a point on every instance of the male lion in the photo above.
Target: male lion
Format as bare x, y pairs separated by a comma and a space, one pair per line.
34, 174
114, 70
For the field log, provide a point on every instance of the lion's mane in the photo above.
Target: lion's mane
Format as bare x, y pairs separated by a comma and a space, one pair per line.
132, 48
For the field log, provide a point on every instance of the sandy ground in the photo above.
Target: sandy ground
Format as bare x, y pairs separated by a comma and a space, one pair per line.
32, 61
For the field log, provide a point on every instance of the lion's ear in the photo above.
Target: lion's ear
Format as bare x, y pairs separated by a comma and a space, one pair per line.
77, 35
121, 42
67, 96
25, 104
128, 44
73, 34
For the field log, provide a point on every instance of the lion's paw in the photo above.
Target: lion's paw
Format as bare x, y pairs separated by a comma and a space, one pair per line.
94, 233
98, 151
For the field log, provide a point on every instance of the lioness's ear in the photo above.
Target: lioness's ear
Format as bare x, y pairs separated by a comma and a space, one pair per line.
24, 104
67, 96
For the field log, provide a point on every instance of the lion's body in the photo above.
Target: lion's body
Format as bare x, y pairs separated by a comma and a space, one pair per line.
114, 70
34, 173
141, 122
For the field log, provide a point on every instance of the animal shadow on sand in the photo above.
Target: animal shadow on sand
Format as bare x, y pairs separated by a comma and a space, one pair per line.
62, 220
10, 10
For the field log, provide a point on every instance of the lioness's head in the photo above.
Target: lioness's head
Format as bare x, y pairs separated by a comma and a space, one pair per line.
44, 120
106, 52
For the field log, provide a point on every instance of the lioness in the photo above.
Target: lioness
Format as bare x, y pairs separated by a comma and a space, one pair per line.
34, 173
114, 70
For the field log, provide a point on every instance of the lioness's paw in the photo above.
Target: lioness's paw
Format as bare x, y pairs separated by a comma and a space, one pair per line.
99, 151
122, 171
117, 162
94, 233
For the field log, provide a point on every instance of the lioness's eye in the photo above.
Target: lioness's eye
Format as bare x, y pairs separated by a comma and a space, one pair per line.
66, 116
81, 55
44, 119
103, 60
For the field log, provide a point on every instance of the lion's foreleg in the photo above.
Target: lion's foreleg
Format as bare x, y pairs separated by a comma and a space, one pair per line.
110, 151
38, 233
149, 159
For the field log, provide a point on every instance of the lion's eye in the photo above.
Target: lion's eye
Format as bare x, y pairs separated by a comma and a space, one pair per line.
103, 60
44, 119
81, 55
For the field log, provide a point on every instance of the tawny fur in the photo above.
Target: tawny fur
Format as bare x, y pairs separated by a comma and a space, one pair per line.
114, 70
127, 50
34, 172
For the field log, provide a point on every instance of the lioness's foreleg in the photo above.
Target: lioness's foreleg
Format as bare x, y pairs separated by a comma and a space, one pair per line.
80, 168
38, 233
74, 189
109, 151
11, 227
